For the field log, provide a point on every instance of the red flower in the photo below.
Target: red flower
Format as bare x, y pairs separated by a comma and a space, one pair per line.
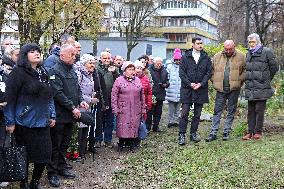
76, 155
68, 154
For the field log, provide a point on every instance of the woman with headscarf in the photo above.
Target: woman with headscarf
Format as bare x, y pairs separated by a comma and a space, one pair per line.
30, 111
128, 104
85, 72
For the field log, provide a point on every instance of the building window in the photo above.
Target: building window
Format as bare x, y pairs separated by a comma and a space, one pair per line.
213, 13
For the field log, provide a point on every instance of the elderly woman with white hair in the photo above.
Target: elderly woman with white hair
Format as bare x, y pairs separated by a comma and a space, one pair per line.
85, 70
261, 67
10, 58
128, 104
161, 82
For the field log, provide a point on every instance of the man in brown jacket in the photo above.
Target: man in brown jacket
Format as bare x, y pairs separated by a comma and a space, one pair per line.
228, 74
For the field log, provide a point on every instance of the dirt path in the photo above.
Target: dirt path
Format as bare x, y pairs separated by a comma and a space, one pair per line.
94, 174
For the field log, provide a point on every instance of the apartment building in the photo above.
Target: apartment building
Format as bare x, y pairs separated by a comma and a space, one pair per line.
181, 20
176, 20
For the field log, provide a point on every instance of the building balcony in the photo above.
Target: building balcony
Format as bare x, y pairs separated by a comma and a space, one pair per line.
182, 30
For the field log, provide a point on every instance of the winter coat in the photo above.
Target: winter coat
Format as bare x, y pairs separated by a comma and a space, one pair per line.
8, 64
100, 89
3, 78
128, 104
66, 91
159, 77
261, 67
29, 98
52, 59
86, 82
147, 88
109, 78
190, 72
237, 70
173, 91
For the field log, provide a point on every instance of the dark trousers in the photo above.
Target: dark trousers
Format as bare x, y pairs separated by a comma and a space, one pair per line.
256, 110
60, 136
104, 130
185, 108
154, 116
37, 172
220, 102
82, 140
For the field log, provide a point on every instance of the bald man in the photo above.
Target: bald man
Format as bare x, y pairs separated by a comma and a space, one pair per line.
67, 99
228, 74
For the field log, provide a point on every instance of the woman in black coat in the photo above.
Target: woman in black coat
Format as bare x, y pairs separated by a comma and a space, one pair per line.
30, 111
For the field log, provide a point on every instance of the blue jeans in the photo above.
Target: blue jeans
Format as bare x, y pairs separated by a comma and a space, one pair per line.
220, 102
105, 133
174, 111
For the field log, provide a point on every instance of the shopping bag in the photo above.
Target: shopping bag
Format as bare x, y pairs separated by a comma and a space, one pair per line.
13, 163
142, 131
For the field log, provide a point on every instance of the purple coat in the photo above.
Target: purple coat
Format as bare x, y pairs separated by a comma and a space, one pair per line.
86, 82
128, 104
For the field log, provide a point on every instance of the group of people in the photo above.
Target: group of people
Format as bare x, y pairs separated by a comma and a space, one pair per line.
42, 100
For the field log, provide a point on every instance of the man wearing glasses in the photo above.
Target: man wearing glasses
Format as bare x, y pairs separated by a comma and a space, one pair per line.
195, 71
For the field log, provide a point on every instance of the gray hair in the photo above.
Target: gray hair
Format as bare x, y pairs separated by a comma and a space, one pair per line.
10, 50
254, 36
105, 53
157, 59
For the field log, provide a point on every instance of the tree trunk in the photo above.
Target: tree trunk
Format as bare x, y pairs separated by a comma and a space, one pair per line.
247, 22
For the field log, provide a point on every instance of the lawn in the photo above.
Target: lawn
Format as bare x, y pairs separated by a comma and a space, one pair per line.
162, 163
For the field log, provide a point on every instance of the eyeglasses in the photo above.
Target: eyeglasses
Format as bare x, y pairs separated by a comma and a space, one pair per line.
177, 60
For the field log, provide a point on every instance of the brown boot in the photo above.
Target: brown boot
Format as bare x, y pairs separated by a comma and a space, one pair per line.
248, 136
257, 136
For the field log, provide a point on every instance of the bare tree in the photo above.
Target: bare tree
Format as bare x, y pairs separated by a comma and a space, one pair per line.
132, 18
259, 17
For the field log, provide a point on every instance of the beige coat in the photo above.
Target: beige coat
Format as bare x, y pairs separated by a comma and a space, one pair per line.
237, 70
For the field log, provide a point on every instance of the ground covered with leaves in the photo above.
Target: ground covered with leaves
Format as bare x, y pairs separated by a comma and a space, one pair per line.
161, 163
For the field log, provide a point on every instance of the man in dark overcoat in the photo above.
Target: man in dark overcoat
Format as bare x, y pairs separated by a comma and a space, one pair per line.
195, 71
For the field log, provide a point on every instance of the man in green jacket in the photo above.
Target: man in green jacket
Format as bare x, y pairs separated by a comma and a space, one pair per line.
109, 73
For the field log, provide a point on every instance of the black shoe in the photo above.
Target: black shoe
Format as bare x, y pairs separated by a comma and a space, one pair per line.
176, 125
194, 137
211, 137
98, 144
181, 139
24, 185
157, 130
170, 125
35, 185
226, 136
67, 174
68, 166
54, 181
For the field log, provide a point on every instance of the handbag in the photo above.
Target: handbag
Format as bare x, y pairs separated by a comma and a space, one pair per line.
142, 131
13, 162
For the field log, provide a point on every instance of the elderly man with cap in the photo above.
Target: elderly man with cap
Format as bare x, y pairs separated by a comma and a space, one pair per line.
128, 104
228, 74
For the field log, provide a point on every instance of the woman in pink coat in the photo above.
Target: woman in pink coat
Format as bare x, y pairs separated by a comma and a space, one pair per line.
128, 104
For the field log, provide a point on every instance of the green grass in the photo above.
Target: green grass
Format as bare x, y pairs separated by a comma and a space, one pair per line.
162, 163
